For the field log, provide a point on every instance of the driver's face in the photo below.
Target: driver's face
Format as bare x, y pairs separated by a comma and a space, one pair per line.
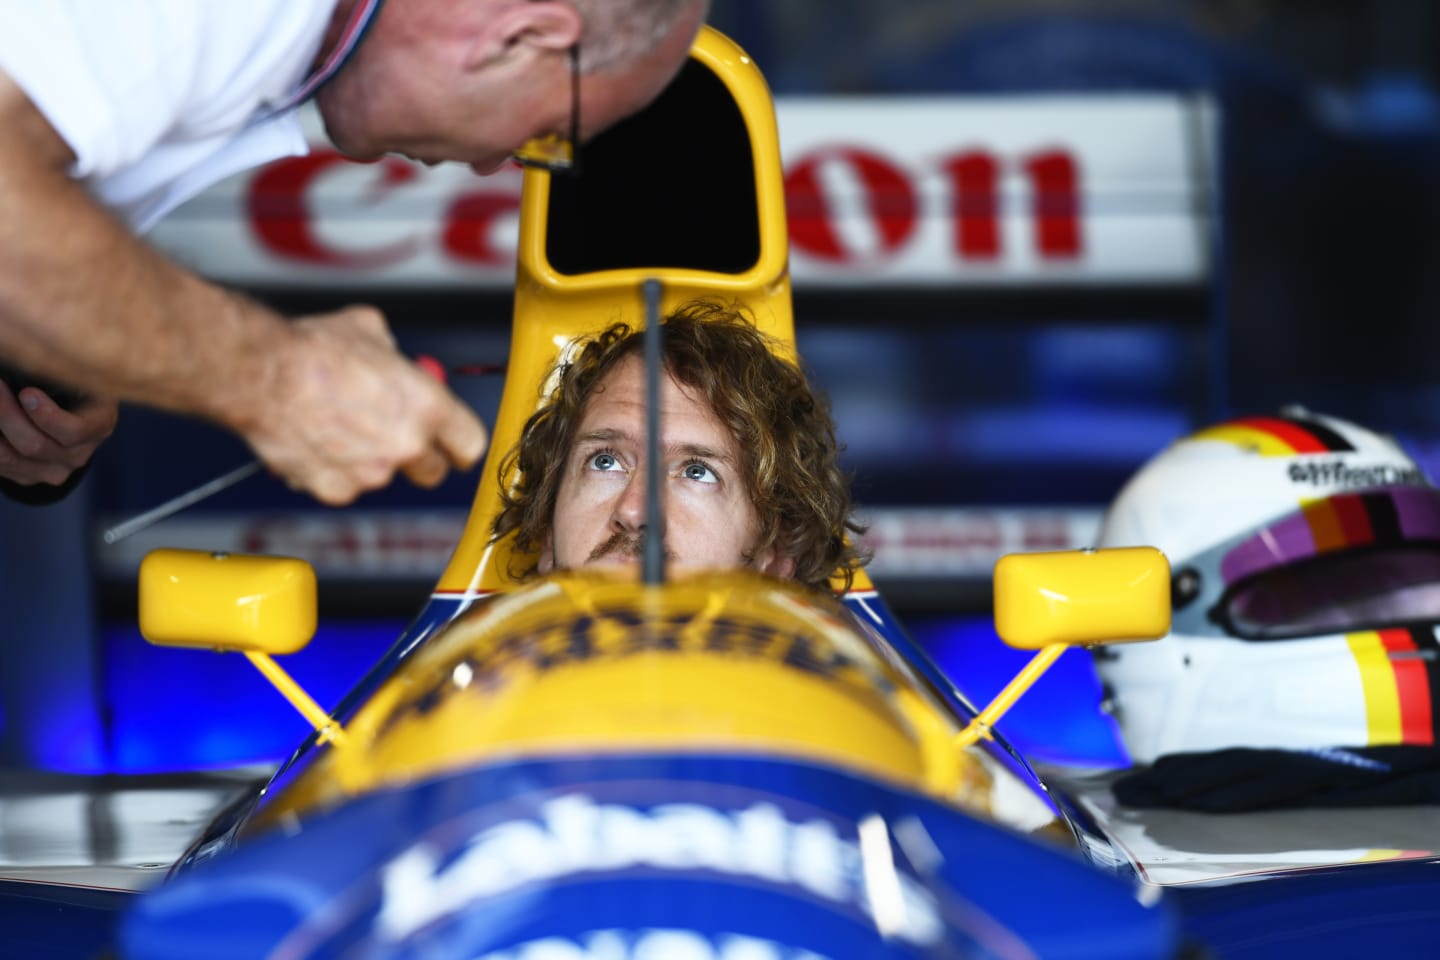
600, 509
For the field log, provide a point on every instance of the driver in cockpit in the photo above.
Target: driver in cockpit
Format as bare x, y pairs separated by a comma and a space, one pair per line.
751, 463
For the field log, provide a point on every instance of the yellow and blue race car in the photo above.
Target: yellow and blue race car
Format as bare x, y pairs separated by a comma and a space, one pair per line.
724, 765
716, 766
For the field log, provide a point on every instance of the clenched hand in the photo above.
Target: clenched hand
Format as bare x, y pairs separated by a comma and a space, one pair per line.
341, 412
41, 442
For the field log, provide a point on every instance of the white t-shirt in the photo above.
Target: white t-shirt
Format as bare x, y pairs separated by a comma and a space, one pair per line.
160, 99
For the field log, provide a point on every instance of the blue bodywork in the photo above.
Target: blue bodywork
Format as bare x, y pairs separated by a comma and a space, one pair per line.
1375, 909
706, 853
47, 921
662, 855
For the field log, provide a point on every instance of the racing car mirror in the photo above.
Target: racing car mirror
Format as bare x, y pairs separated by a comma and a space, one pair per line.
1052, 601
229, 602
1082, 597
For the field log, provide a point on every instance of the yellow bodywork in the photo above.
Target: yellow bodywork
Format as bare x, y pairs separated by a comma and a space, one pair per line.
1052, 601
232, 601
1082, 596
552, 309
585, 664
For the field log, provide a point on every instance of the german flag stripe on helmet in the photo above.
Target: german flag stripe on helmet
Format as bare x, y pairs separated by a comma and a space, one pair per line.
1412, 685
1278, 436
1397, 674
1330, 440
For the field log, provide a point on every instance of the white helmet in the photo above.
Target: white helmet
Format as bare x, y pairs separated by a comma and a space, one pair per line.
1305, 553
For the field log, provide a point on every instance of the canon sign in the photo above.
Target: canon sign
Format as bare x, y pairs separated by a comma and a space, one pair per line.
890, 204
900, 192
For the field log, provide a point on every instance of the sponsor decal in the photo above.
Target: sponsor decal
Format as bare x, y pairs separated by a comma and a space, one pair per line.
1338, 473
576, 835
954, 190
622, 632
887, 191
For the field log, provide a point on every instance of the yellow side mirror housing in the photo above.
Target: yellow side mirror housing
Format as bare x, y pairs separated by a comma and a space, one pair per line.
258, 606
1053, 601
227, 601
1081, 597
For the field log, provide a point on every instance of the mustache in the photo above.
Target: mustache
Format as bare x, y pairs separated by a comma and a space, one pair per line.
624, 545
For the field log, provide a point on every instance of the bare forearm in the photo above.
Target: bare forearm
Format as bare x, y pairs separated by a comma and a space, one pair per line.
325, 401
84, 302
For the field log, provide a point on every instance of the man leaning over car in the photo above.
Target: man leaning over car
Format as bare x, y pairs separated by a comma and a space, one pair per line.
113, 114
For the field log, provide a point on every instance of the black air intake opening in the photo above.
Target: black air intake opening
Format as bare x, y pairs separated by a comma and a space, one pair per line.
671, 187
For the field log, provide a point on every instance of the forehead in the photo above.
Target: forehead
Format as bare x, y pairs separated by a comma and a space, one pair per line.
618, 402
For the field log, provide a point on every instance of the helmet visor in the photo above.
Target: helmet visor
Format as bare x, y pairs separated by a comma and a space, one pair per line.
1345, 592
1348, 562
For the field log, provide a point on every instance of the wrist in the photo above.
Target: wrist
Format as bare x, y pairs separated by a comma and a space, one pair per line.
241, 388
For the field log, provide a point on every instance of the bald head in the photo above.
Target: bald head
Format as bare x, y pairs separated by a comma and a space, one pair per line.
622, 31
472, 80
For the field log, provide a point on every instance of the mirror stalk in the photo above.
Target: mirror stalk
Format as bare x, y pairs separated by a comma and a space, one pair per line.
984, 722
324, 724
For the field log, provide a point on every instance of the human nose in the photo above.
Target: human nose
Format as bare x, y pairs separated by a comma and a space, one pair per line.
629, 512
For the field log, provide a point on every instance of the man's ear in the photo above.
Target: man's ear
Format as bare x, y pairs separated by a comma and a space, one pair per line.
538, 24
776, 564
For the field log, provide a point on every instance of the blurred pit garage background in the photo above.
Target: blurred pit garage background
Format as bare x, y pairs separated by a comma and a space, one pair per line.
1032, 242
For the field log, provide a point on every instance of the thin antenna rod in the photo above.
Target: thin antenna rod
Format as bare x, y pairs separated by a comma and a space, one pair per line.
654, 559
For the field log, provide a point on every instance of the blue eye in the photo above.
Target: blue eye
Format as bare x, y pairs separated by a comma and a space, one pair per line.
604, 461
697, 471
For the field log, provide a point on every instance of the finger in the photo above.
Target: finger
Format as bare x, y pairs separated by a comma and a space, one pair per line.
330, 487
428, 470
19, 430
462, 437
98, 418
85, 426
27, 472
13, 467
333, 492
339, 486
370, 322
9, 407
